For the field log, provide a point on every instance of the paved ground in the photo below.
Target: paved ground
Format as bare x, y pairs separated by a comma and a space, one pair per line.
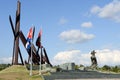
82, 75
88, 79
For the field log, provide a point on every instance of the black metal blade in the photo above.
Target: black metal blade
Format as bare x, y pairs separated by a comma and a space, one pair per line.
20, 56
13, 52
10, 19
47, 57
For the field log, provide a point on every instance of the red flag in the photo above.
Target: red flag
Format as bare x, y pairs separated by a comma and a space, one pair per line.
40, 33
30, 33
38, 41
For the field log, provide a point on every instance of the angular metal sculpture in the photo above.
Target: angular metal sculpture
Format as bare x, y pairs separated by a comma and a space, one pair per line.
93, 59
16, 49
36, 57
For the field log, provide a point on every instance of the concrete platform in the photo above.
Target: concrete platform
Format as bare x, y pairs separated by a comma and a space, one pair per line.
87, 79
81, 75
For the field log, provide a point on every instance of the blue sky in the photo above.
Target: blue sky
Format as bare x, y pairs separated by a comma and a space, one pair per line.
71, 29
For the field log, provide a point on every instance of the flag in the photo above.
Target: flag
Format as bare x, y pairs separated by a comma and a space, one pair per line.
38, 41
30, 38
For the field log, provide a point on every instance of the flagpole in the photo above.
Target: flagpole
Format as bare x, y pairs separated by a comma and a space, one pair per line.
31, 61
40, 63
31, 50
40, 66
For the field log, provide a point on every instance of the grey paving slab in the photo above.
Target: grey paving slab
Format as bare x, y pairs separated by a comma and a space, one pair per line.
88, 79
81, 75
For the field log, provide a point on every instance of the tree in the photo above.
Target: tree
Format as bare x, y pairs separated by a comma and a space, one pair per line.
106, 67
3, 66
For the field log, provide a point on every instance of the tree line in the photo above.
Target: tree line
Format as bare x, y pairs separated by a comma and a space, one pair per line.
3, 66
105, 68
115, 69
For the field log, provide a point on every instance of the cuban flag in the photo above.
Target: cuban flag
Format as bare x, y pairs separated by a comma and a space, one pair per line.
30, 38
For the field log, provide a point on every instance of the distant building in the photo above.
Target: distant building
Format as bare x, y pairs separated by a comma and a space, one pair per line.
67, 66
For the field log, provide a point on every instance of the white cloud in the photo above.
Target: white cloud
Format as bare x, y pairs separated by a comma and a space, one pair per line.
71, 56
95, 9
6, 60
75, 36
110, 11
104, 57
87, 24
109, 57
63, 21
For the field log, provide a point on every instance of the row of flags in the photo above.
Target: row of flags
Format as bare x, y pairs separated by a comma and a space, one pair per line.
30, 37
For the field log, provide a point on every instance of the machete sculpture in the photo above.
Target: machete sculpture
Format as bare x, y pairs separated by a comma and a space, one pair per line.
18, 34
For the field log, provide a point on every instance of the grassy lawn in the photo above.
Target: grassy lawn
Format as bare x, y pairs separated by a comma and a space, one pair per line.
18, 72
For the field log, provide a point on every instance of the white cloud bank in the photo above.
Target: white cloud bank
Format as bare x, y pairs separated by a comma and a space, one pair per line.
87, 24
110, 11
75, 36
104, 57
109, 57
6, 60
71, 56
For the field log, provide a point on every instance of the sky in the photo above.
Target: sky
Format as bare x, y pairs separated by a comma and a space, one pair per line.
71, 29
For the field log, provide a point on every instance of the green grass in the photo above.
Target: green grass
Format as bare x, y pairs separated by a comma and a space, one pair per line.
17, 72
